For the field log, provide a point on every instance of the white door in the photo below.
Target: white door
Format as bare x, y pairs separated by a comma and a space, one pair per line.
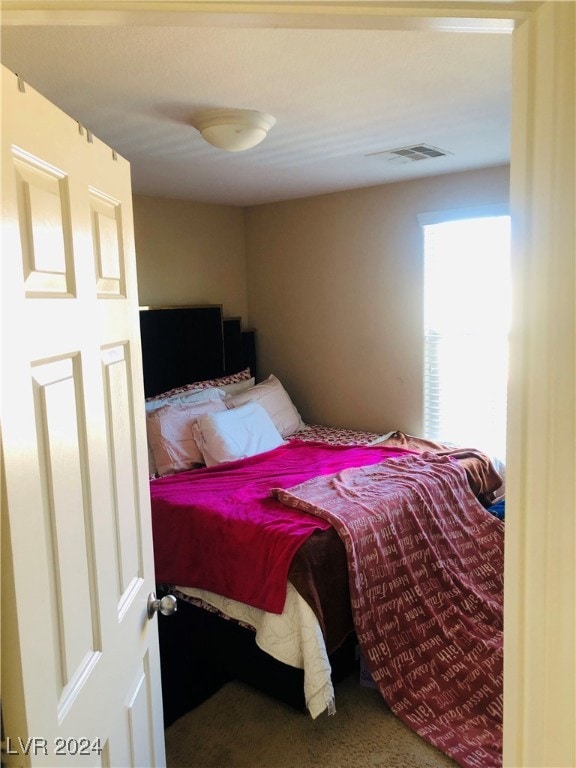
80, 663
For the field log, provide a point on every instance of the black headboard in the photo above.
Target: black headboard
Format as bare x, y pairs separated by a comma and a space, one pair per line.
185, 344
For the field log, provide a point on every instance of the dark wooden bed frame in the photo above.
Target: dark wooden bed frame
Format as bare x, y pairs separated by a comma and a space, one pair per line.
185, 344
199, 650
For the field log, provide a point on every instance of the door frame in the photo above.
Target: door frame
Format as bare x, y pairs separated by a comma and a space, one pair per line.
540, 566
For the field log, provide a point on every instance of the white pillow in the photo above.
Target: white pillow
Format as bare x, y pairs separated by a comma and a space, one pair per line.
236, 434
198, 396
274, 398
170, 437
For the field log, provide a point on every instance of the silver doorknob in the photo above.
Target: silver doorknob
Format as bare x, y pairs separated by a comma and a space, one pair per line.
166, 605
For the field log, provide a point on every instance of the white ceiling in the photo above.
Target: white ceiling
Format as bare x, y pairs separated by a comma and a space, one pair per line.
338, 96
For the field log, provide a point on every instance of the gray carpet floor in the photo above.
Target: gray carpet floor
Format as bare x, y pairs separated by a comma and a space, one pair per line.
239, 727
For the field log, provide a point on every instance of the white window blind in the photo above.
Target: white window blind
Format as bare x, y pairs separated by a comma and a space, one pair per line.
466, 325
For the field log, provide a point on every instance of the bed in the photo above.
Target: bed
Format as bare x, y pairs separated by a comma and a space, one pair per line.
280, 574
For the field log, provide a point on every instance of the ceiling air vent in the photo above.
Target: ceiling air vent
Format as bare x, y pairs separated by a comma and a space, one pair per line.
411, 154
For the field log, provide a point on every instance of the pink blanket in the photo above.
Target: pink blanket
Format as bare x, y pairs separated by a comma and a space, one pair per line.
220, 529
426, 576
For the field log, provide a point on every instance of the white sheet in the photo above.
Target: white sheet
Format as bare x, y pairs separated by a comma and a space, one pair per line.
293, 637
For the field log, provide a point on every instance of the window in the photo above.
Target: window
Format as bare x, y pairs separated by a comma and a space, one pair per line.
466, 323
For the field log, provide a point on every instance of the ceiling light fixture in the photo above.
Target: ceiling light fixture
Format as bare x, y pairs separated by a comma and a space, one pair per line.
233, 129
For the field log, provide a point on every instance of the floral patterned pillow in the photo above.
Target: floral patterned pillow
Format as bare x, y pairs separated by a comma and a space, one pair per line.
197, 386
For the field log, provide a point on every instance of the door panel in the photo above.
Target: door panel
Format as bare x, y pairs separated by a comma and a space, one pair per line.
116, 370
107, 239
70, 544
137, 712
80, 657
45, 227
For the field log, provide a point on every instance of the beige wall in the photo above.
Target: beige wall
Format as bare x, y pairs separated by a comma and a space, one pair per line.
335, 294
332, 284
190, 253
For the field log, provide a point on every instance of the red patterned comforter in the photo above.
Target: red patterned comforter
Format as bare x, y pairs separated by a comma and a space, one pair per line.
425, 566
